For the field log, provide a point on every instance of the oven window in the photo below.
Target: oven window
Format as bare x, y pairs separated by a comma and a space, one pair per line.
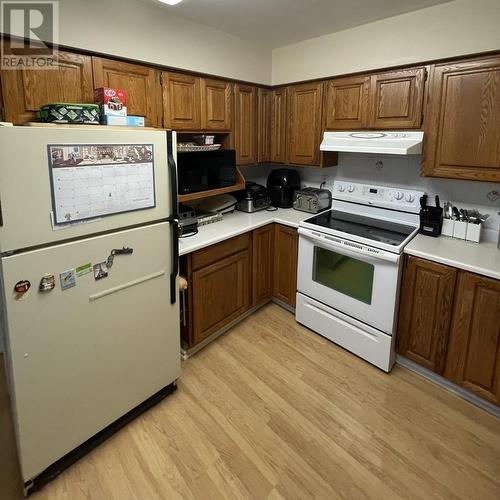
344, 274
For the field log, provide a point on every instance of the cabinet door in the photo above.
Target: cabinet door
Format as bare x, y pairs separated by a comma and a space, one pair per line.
181, 101
216, 97
265, 104
263, 263
245, 126
473, 359
425, 312
278, 126
141, 83
462, 124
221, 293
25, 91
396, 99
304, 123
285, 264
347, 103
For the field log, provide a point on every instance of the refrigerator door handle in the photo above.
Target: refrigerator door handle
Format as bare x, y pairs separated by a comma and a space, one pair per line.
173, 219
174, 224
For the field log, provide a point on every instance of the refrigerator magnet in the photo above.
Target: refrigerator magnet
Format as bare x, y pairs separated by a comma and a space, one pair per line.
47, 283
100, 271
68, 279
84, 269
21, 288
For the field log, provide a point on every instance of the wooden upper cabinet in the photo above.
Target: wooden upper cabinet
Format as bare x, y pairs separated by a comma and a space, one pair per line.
265, 106
245, 124
141, 83
304, 123
181, 101
278, 126
347, 103
462, 123
396, 99
216, 105
473, 359
25, 91
427, 293
286, 241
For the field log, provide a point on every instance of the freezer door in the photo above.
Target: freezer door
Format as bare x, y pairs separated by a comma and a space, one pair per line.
25, 185
81, 357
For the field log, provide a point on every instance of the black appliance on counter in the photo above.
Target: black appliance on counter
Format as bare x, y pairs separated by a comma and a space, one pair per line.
253, 198
204, 170
281, 184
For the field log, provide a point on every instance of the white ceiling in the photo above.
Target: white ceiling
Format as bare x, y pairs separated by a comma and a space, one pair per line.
275, 23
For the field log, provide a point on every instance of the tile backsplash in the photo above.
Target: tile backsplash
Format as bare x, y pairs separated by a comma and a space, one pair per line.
402, 171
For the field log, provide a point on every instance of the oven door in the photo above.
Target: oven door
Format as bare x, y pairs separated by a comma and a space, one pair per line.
356, 279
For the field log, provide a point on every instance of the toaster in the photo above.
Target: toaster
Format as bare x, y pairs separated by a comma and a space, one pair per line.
253, 198
312, 200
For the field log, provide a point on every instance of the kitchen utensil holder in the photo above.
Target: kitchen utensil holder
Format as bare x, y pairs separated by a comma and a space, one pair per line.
431, 221
462, 230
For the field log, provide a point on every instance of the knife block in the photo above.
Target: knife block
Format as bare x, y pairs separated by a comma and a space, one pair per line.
431, 221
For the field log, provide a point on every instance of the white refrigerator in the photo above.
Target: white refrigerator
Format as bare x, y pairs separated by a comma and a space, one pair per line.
89, 263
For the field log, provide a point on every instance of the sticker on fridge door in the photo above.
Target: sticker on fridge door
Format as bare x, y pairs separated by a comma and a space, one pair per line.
68, 279
100, 271
21, 289
84, 269
47, 283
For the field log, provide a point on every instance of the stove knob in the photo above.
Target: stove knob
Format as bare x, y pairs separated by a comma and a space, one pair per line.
398, 195
350, 188
409, 197
341, 188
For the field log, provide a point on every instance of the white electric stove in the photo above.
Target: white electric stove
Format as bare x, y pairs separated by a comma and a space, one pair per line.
350, 265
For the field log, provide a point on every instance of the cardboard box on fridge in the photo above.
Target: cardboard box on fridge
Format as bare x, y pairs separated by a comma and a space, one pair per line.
112, 102
123, 121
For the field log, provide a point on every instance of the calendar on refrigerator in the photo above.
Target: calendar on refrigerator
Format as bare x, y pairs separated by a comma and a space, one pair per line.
95, 180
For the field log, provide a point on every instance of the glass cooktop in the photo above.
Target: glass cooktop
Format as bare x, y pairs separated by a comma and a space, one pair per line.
391, 233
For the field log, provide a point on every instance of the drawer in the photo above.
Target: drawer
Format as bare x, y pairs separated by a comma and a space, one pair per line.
213, 253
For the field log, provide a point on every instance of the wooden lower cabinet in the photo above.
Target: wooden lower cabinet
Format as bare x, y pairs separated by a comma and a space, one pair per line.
286, 246
449, 322
226, 279
473, 360
262, 265
425, 312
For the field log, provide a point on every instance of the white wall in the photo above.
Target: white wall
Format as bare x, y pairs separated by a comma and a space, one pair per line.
138, 30
451, 29
399, 171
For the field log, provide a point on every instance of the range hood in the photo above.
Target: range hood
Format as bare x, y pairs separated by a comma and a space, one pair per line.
381, 142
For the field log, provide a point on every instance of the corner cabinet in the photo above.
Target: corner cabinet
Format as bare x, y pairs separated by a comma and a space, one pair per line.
286, 247
278, 126
141, 83
462, 124
264, 113
263, 264
473, 360
449, 323
245, 124
304, 116
25, 91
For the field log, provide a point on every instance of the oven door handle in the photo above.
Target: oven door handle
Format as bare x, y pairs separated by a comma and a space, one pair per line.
348, 248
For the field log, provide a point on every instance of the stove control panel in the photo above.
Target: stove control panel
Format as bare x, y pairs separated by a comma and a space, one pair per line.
379, 196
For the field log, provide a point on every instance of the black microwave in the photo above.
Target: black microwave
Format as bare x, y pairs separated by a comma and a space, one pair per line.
200, 171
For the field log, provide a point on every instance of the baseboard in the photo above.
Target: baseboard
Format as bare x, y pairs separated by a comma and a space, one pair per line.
449, 386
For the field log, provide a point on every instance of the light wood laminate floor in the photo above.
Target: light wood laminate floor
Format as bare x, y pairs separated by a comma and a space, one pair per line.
271, 410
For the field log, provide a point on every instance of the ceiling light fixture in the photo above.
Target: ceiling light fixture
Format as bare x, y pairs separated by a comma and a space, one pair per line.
170, 2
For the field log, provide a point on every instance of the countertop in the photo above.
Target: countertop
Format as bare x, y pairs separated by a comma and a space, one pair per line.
481, 258
239, 223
